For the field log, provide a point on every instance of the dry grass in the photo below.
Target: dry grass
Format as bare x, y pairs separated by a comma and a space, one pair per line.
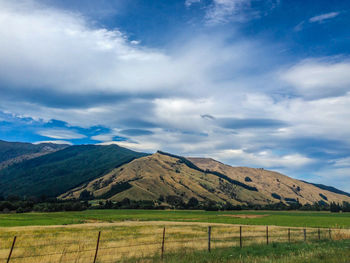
269, 182
123, 240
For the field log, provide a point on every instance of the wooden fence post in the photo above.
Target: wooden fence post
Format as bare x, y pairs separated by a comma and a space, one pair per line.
163, 243
240, 236
209, 237
288, 235
330, 234
13, 245
267, 235
304, 235
97, 245
319, 234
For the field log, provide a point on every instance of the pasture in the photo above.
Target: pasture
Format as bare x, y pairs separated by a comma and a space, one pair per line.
277, 218
129, 240
137, 236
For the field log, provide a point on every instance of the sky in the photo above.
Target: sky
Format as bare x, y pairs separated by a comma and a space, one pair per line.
253, 83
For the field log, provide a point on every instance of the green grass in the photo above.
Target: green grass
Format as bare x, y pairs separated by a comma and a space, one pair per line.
280, 218
324, 251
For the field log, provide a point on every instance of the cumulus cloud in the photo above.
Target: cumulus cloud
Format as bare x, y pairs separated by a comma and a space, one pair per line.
61, 51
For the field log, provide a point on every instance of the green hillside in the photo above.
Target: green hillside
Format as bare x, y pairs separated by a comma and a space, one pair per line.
57, 172
12, 150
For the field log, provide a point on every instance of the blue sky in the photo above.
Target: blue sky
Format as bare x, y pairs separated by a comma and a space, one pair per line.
247, 82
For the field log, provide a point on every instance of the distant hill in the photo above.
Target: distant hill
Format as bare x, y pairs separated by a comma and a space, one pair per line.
114, 173
274, 185
15, 152
166, 176
162, 175
329, 188
57, 172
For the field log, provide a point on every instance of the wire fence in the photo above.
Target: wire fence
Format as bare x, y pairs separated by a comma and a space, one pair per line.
113, 245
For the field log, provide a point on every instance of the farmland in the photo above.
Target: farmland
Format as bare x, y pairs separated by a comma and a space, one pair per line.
277, 218
137, 236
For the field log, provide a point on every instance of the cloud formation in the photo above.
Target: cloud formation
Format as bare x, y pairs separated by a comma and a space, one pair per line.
218, 94
63, 134
315, 78
323, 17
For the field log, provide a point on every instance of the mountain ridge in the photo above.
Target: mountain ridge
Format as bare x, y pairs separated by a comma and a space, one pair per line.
147, 177
111, 172
55, 173
16, 152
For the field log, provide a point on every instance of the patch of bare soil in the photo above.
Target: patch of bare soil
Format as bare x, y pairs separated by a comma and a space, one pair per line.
245, 216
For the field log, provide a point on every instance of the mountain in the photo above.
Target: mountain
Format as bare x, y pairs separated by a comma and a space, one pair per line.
57, 172
114, 173
274, 185
165, 175
329, 188
15, 152
160, 174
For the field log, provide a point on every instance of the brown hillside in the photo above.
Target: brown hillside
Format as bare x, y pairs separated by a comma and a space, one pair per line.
150, 177
271, 183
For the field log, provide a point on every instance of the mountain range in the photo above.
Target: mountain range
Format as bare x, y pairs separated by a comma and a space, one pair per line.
111, 172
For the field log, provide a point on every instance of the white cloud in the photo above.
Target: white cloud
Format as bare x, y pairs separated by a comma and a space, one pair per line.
223, 11
264, 159
315, 78
55, 142
323, 17
342, 163
103, 137
188, 3
61, 134
61, 51
136, 146
337, 177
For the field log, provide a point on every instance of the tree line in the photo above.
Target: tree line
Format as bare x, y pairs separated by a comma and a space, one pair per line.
49, 204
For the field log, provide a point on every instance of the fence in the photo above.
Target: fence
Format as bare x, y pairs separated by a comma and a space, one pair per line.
111, 244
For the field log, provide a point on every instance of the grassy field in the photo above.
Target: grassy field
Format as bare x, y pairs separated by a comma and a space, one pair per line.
320, 252
280, 218
142, 240
136, 236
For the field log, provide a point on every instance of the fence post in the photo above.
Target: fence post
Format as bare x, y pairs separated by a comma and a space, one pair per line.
240, 236
319, 234
209, 237
97, 245
13, 245
330, 234
288, 235
163, 243
267, 235
304, 235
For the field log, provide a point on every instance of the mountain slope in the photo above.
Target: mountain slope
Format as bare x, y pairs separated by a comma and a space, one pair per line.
273, 184
160, 174
57, 172
329, 188
15, 152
